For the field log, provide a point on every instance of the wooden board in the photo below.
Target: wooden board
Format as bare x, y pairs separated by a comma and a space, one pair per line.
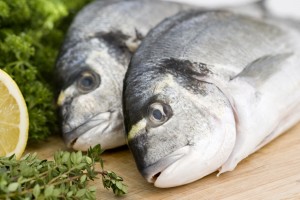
271, 173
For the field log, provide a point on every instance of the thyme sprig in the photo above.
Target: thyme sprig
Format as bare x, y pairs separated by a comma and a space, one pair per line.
66, 177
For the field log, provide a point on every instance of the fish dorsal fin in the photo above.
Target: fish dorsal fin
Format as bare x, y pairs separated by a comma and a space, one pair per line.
262, 68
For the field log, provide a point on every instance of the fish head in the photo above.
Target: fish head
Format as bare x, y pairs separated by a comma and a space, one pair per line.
179, 129
90, 101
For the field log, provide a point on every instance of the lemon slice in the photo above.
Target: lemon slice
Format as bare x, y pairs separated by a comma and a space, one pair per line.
13, 118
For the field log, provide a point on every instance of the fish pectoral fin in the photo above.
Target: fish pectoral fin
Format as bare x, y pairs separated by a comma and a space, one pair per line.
133, 43
139, 35
263, 68
121, 40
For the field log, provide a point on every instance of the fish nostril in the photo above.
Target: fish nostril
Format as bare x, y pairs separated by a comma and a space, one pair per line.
153, 179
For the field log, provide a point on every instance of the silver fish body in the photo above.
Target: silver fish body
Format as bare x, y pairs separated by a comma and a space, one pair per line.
92, 65
286, 9
206, 89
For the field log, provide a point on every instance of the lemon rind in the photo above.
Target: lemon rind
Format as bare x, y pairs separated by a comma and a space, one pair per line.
24, 118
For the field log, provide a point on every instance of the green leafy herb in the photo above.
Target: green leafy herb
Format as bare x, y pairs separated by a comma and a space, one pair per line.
31, 32
64, 178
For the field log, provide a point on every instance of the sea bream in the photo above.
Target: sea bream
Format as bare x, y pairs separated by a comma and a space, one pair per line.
92, 63
206, 89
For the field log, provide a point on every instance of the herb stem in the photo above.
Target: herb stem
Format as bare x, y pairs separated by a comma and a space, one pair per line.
62, 175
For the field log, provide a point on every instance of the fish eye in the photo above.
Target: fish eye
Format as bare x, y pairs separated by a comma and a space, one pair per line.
88, 82
159, 113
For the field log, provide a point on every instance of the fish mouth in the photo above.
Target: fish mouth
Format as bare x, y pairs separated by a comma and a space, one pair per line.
105, 128
154, 171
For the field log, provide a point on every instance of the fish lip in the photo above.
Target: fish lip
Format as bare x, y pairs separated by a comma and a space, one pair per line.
70, 137
152, 172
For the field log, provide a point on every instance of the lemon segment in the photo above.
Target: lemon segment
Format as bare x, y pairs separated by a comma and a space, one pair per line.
14, 121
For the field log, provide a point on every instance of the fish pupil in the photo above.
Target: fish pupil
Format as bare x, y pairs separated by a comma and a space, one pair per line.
87, 82
157, 114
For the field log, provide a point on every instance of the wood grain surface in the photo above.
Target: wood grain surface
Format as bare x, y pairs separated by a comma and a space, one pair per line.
272, 173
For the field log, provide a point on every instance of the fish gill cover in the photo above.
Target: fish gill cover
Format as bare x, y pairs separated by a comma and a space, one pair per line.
31, 33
